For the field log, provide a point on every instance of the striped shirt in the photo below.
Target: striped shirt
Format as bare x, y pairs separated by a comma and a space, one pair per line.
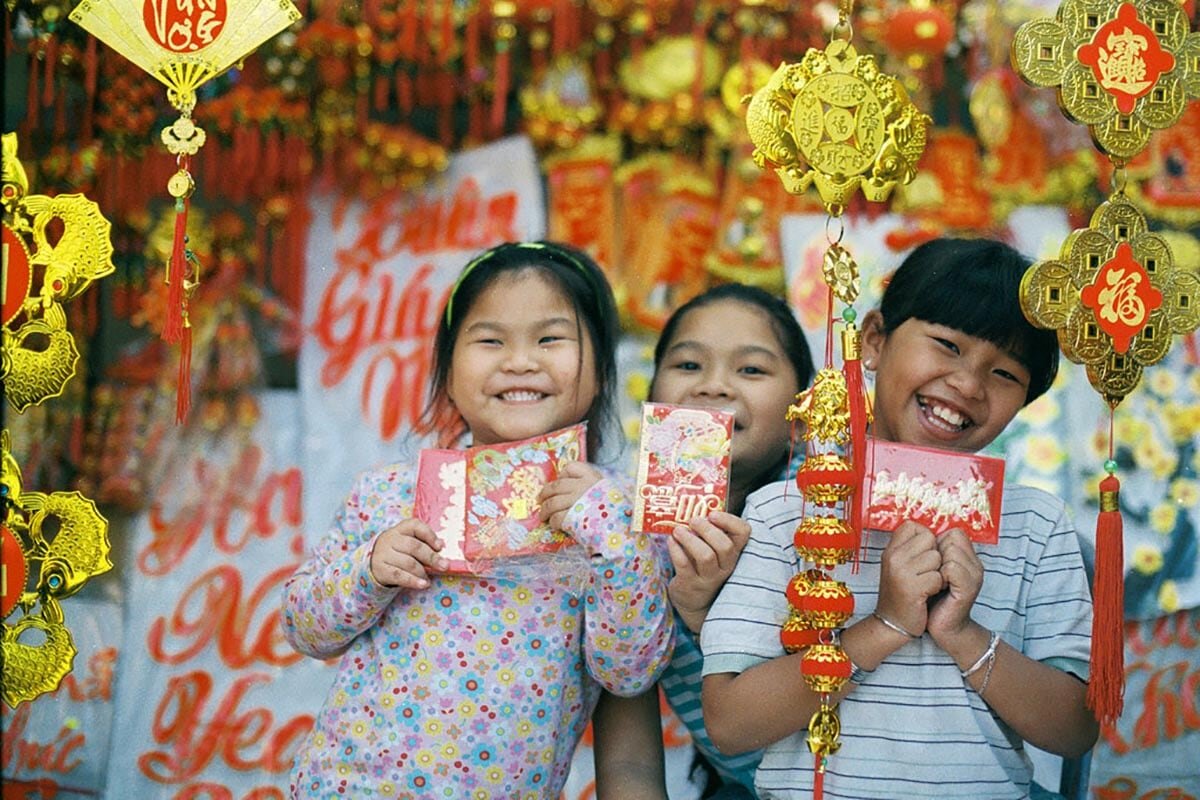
681, 684
913, 728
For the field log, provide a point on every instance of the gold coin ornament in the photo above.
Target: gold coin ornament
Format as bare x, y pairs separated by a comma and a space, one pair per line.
52, 544
39, 355
1114, 296
1123, 69
835, 120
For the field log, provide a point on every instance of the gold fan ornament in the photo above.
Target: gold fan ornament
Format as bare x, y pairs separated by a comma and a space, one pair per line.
1114, 296
183, 44
67, 552
39, 355
832, 120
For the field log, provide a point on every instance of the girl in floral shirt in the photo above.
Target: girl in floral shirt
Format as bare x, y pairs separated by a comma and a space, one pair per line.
469, 686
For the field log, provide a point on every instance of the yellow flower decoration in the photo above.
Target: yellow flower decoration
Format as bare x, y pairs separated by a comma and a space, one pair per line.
1044, 453
1147, 559
1185, 492
1123, 69
1163, 383
1042, 411
1168, 596
1163, 517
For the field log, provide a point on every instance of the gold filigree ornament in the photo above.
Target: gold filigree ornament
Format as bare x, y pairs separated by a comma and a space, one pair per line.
39, 355
834, 120
183, 44
1124, 69
1114, 297
66, 538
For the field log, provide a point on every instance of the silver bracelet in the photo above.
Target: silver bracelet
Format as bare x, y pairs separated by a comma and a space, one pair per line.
888, 623
858, 674
987, 675
986, 658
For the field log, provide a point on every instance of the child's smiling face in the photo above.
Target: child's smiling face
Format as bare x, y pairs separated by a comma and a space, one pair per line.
725, 354
936, 386
522, 365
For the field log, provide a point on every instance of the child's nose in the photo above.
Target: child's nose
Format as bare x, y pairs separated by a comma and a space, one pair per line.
713, 385
967, 382
520, 359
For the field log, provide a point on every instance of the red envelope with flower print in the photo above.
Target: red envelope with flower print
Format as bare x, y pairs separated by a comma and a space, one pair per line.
683, 465
483, 501
941, 489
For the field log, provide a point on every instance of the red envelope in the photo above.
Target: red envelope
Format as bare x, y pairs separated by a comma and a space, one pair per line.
483, 501
941, 489
683, 465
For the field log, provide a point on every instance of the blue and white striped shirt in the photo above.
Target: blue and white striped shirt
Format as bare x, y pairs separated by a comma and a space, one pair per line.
913, 728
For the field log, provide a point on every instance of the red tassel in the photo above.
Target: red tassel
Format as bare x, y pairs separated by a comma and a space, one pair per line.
176, 272
1106, 686
51, 64
818, 777
404, 90
183, 387
91, 63
500, 89
380, 99
857, 398
471, 48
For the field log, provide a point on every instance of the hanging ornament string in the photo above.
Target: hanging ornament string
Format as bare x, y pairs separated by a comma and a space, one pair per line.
183, 45
1114, 297
832, 121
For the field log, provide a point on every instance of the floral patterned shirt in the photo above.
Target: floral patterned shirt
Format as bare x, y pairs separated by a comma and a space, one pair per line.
475, 687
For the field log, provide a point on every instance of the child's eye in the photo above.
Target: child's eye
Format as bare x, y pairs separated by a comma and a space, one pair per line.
946, 343
751, 369
545, 340
1008, 376
687, 366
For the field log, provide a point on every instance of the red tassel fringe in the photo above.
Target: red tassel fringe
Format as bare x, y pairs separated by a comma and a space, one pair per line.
500, 92
1106, 686
857, 396
183, 387
176, 271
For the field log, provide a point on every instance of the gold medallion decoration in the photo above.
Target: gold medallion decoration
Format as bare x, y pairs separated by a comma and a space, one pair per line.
183, 44
39, 354
1124, 69
836, 121
1114, 297
66, 538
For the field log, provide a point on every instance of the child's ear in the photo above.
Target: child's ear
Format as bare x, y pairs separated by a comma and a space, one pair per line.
873, 338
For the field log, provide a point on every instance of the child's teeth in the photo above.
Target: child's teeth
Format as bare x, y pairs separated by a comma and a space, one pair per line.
521, 397
947, 415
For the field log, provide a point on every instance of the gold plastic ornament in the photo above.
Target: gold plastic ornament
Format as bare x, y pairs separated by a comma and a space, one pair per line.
1124, 69
1114, 296
39, 355
67, 538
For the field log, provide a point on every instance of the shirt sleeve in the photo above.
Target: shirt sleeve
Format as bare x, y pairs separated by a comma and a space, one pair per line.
1058, 611
742, 627
628, 626
333, 597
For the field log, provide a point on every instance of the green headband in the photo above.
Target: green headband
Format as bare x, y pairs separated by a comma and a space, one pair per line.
547, 250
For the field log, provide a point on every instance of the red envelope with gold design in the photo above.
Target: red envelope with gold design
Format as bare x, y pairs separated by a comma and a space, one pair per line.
941, 489
483, 501
683, 465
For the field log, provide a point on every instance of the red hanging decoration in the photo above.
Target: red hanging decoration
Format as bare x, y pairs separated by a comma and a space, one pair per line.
1106, 682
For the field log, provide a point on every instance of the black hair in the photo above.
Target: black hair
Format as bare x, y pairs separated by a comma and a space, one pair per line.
972, 285
783, 323
583, 284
